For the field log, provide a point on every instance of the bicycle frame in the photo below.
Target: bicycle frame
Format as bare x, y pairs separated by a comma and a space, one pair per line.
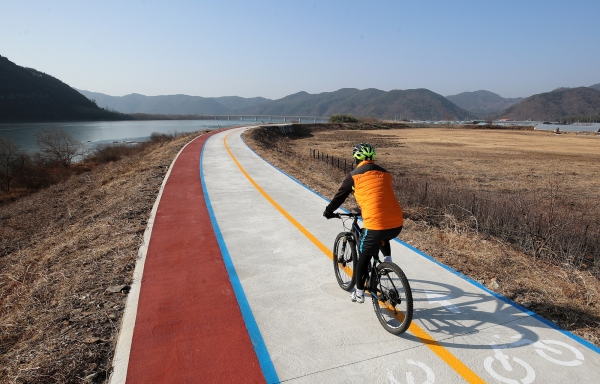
356, 232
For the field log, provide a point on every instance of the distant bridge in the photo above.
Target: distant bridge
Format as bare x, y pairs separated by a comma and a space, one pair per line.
268, 118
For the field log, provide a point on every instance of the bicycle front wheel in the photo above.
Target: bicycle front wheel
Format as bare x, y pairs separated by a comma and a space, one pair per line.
392, 301
344, 260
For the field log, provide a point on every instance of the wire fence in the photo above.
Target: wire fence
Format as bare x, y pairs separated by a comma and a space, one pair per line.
332, 161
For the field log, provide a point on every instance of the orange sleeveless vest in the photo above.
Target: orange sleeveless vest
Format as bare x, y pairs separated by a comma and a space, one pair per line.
375, 196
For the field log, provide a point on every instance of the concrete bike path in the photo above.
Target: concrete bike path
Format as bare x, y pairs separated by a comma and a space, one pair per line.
273, 233
188, 326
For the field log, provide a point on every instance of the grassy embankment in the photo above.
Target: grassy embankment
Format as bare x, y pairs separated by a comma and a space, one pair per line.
60, 249
513, 209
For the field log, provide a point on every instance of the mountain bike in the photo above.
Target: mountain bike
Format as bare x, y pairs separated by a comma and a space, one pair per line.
386, 282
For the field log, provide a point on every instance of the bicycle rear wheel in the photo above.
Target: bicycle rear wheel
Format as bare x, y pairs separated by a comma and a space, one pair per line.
392, 300
344, 260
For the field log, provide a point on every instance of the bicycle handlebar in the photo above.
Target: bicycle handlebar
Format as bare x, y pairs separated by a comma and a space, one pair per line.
350, 214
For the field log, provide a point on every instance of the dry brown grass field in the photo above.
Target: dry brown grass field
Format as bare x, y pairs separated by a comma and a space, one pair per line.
491, 160
541, 170
60, 250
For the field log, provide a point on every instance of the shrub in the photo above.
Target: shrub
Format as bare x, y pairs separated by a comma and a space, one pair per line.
38, 172
156, 137
11, 159
339, 118
541, 224
59, 146
113, 152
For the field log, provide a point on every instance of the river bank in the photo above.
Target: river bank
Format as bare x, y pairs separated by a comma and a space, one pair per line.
67, 255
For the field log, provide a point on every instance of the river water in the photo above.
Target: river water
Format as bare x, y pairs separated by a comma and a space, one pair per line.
580, 127
95, 133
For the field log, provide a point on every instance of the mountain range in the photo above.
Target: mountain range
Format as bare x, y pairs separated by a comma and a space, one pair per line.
30, 95
173, 104
562, 102
410, 104
483, 103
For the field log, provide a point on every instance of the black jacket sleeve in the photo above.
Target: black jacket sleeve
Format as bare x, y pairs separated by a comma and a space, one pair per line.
341, 194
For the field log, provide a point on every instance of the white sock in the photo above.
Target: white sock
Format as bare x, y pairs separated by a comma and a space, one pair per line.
387, 259
360, 292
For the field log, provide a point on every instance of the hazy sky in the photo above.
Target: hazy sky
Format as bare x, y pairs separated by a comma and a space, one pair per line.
276, 48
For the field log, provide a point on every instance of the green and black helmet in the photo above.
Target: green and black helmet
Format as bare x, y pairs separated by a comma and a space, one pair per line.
363, 152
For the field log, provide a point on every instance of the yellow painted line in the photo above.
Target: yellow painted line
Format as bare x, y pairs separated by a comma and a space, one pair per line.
418, 332
310, 236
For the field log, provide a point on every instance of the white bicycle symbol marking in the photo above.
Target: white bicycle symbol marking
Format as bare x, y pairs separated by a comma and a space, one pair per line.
541, 348
410, 379
504, 359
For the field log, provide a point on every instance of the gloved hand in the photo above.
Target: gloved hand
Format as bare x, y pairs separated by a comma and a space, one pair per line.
328, 214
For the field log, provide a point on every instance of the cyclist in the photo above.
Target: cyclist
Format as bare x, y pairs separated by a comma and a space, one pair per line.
381, 212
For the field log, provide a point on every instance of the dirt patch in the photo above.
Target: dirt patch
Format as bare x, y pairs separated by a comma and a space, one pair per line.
67, 255
482, 160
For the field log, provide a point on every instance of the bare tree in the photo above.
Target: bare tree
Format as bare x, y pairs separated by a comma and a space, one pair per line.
10, 159
448, 117
59, 146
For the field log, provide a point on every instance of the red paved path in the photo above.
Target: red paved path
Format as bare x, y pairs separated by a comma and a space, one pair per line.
189, 327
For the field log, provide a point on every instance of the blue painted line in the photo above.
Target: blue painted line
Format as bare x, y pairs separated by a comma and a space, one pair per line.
258, 343
475, 283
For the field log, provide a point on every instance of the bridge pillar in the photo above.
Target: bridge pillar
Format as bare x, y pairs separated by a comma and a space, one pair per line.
299, 119
242, 118
228, 117
284, 120
255, 118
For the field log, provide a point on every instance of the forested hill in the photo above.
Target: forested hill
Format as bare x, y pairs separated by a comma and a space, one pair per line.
173, 104
27, 95
483, 103
581, 101
410, 104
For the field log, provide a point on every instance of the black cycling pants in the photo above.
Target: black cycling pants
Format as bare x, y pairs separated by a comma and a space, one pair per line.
370, 244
